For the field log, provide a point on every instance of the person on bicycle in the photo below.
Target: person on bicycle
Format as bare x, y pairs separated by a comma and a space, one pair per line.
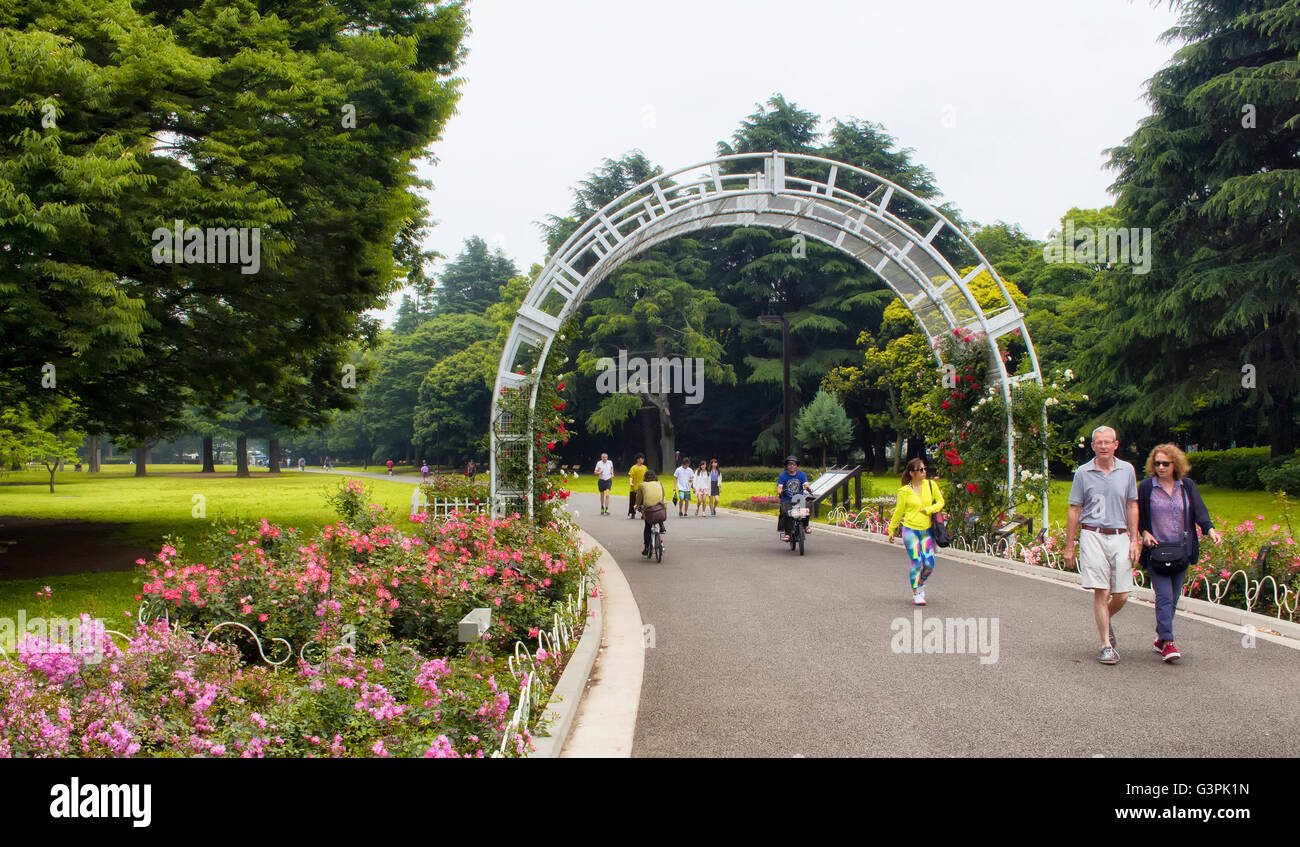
790, 482
650, 499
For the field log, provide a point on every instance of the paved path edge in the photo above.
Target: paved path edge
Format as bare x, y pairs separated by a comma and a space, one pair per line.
566, 697
606, 717
1287, 633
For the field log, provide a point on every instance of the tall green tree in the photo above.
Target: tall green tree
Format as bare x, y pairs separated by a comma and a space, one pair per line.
300, 123
471, 282
1213, 174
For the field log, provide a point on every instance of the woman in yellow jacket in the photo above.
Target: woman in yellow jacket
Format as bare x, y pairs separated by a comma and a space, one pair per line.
918, 499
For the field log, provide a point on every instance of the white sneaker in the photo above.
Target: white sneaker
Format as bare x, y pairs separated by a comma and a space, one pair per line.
918, 599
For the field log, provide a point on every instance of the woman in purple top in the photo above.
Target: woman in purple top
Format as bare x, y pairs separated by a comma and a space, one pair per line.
1166, 517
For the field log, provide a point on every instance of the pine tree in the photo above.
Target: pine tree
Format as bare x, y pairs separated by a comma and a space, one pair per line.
1213, 174
824, 424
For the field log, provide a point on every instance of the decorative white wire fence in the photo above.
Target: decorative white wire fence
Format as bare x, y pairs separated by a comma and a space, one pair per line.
561, 637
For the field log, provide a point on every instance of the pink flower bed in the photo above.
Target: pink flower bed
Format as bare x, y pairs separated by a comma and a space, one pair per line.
373, 665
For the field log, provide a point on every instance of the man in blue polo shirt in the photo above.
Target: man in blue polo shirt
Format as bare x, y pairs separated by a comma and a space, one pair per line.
788, 483
1103, 502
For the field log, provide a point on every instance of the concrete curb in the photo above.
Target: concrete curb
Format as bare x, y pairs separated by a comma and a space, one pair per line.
1189, 607
606, 722
562, 707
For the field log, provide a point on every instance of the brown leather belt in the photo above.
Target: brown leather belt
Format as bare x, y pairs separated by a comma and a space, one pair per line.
1103, 530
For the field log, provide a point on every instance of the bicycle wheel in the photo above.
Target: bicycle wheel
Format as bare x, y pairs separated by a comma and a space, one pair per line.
801, 544
659, 547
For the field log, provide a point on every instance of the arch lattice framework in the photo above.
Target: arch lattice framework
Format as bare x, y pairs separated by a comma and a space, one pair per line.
904, 240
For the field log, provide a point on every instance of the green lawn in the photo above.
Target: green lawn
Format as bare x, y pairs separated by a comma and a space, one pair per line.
148, 508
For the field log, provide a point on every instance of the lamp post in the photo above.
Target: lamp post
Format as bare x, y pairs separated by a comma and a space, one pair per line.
785, 369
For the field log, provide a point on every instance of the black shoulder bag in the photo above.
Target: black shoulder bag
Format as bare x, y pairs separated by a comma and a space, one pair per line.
938, 531
1168, 559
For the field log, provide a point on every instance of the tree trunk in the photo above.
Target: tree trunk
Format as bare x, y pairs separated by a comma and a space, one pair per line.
93, 457
273, 456
141, 459
879, 439
864, 441
209, 466
1281, 429
52, 469
241, 455
667, 435
648, 441
898, 452
823, 459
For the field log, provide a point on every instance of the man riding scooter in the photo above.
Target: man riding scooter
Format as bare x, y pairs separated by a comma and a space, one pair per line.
791, 481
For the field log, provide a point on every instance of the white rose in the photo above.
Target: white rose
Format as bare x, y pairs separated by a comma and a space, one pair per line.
1085, 397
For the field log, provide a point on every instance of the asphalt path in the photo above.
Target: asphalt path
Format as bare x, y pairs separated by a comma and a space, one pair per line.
760, 652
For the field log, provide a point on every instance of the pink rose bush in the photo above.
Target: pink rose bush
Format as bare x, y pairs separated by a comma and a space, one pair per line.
165, 693
381, 584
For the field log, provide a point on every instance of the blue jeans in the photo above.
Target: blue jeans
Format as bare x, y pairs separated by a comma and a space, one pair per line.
1168, 589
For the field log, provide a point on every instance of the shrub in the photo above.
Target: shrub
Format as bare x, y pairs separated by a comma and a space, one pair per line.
757, 473
1283, 477
1240, 467
757, 504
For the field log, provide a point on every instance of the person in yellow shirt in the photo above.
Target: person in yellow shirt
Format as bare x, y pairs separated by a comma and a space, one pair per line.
649, 494
635, 476
918, 499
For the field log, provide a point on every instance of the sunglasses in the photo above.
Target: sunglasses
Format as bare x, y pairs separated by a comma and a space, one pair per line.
1162, 464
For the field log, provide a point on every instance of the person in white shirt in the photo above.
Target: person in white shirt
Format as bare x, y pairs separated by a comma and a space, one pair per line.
701, 483
685, 479
604, 481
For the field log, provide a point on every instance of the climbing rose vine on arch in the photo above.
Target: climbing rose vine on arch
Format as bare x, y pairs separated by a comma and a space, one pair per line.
965, 417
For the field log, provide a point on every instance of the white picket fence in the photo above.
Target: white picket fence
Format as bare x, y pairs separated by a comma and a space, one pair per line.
441, 508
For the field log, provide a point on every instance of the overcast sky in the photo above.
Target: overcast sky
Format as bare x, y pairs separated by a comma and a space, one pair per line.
1009, 102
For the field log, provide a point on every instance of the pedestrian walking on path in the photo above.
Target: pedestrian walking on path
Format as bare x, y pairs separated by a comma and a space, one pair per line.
424, 471
702, 489
1169, 510
685, 479
604, 481
390, 467
302, 463
715, 486
1103, 502
919, 499
635, 476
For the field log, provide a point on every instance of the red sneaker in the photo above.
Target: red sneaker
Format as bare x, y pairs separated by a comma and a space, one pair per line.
1170, 652
1159, 646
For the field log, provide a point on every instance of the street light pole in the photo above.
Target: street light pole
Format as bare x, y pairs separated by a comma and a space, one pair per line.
785, 371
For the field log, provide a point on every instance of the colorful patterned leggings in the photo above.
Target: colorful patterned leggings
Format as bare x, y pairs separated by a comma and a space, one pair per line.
920, 549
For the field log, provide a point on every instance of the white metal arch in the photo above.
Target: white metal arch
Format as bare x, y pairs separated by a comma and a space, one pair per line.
753, 189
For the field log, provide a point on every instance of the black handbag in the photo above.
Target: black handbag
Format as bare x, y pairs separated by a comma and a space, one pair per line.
1167, 558
938, 531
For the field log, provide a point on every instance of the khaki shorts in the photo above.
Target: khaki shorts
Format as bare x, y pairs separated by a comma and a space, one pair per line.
1104, 563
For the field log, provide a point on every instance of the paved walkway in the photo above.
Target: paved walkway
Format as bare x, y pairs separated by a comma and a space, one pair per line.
758, 652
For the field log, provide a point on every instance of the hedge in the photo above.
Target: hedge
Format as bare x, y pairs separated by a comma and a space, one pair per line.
1245, 468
